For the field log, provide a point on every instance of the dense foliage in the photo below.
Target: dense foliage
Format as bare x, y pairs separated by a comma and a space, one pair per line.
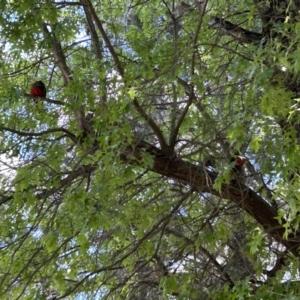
104, 189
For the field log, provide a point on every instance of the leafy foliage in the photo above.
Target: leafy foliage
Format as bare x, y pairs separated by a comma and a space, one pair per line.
104, 189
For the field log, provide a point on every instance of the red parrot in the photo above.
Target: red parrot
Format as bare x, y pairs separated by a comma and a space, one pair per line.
38, 89
239, 161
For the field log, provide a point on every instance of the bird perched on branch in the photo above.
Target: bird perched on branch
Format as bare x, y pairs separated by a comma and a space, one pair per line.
239, 161
38, 89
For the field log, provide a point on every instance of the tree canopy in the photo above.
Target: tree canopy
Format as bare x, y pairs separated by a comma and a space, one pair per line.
105, 190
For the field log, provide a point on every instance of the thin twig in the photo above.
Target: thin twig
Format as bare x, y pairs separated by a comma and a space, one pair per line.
23, 133
57, 102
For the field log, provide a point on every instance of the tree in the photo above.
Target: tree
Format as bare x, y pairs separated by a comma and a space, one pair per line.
104, 189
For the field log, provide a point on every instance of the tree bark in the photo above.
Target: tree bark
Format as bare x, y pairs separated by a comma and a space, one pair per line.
202, 181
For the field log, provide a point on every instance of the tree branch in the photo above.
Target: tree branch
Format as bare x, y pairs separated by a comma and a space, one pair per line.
104, 36
163, 144
93, 32
221, 269
150, 121
96, 47
196, 178
65, 3
238, 33
33, 134
191, 87
58, 53
57, 102
81, 171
